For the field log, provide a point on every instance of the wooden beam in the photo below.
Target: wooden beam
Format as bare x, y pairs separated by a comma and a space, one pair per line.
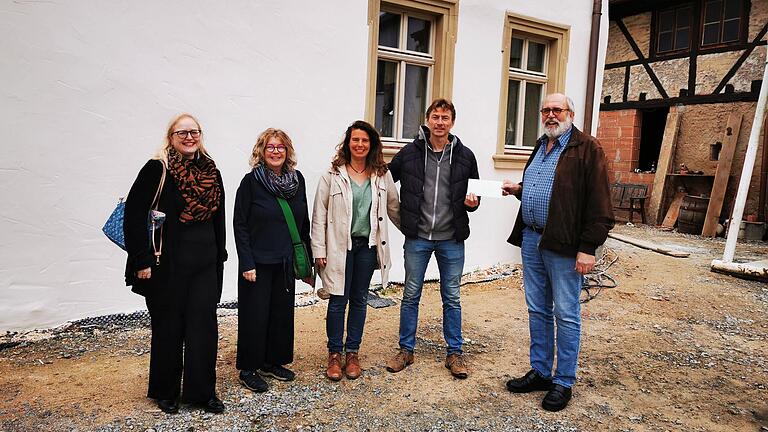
648, 245
639, 54
664, 166
674, 210
723, 173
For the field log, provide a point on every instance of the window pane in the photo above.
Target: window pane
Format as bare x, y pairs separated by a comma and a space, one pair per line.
389, 29
731, 31
516, 53
386, 83
513, 92
531, 114
666, 20
683, 17
535, 56
732, 9
712, 11
415, 99
418, 35
711, 34
665, 42
681, 41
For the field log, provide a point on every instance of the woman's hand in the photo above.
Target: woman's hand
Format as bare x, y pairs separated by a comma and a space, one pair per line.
321, 262
144, 273
250, 275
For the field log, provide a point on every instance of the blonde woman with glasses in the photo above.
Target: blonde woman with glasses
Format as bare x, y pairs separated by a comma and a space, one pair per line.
266, 285
179, 268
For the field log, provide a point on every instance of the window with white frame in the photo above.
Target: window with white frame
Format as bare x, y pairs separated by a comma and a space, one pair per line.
404, 70
527, 85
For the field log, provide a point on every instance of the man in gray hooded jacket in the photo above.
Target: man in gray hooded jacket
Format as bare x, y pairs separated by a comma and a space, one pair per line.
434, 172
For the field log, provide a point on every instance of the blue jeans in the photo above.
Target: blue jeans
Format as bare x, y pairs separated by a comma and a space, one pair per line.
552, 288
361, 261
450, 262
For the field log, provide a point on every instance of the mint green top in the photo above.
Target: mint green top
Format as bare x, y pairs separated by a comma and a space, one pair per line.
361, 209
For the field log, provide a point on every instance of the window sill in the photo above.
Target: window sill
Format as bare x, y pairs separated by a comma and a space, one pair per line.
390, 150
515, 159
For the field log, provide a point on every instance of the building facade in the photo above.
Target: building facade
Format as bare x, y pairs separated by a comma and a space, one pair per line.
88, 89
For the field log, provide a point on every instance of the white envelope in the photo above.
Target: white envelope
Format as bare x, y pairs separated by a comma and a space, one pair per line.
485, 188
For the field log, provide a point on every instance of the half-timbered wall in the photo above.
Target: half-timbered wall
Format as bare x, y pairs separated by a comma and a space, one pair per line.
705, 86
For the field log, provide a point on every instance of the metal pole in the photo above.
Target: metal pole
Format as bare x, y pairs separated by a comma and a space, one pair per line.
746, 172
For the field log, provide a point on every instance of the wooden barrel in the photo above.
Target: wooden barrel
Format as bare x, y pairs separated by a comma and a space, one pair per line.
693, 211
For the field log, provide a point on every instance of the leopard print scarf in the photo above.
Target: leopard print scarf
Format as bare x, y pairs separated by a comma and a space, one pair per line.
198, 182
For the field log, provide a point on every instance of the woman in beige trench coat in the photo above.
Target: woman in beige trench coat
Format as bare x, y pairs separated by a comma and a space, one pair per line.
350, 238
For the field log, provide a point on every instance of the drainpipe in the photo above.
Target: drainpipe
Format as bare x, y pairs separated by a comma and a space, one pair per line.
594, 40
746, 172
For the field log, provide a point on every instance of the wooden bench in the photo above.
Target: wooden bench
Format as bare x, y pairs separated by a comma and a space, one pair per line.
629, 197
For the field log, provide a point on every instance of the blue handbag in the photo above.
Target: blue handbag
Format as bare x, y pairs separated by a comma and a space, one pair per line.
114, 231
113, 228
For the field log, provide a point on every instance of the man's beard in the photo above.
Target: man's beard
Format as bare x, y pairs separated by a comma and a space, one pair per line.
554, 132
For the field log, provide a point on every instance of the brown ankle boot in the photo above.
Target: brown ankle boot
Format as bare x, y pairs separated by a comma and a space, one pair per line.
352, 367
334, 366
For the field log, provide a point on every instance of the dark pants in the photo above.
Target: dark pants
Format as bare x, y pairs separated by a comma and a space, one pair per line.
361, 262
265, 318
183, 319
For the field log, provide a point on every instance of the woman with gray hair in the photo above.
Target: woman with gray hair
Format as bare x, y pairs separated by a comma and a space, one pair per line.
266, 279
179, 267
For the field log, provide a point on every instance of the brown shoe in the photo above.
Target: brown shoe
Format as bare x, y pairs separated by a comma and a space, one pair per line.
400, 361
457, 365
352, 366
334, 366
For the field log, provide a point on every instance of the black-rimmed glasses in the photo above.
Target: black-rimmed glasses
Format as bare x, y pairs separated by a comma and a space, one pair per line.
555, 111
183, 134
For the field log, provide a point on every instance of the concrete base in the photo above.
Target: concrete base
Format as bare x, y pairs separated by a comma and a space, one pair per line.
756, 270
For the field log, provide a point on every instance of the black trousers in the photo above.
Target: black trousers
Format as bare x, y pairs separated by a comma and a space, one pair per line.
265, 318
184, 327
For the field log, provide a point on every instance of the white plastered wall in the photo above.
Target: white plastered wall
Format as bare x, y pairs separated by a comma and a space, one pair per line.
87, 88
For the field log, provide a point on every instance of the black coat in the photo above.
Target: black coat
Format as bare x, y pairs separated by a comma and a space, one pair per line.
137, 241
407, 167
261, 233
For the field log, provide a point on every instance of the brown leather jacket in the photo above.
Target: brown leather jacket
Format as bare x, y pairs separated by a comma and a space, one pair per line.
580, 209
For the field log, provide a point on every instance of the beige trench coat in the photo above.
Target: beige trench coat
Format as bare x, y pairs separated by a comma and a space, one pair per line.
332, 224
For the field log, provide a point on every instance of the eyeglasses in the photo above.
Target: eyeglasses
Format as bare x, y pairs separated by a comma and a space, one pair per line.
276, 149
555, 111
194, 133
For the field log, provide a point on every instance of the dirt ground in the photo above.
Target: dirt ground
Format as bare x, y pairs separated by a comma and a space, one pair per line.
672, 347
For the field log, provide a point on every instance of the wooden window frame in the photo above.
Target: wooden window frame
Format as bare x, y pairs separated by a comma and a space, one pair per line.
444, 16
692, 23
556, 37
743, 26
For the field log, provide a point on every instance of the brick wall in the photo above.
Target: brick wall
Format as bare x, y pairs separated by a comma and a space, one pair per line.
619, 134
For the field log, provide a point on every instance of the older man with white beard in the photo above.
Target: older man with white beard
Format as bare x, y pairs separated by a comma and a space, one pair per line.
565, 214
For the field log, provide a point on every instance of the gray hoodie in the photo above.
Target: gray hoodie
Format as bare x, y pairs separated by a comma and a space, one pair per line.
435, 222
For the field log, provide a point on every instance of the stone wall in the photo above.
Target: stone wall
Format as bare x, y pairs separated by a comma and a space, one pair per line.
618, 47
613, 85
703, 125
